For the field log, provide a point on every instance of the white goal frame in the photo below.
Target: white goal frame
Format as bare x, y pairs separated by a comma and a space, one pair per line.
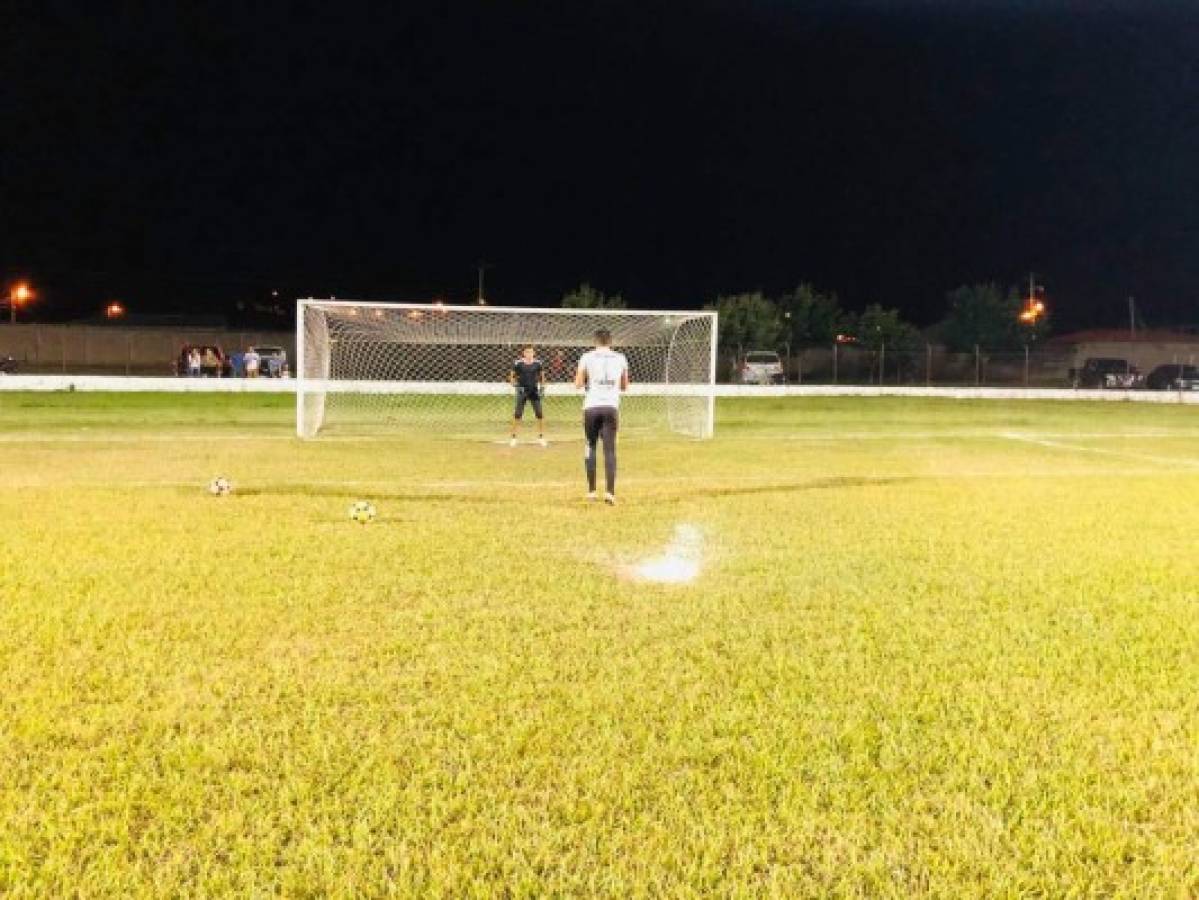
315, 378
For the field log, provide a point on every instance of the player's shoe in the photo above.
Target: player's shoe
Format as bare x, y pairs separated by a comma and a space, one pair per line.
610, 499
592, 496
512, 441
543, 442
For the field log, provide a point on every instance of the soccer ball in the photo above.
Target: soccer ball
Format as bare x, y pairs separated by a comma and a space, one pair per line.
220, 486
362, 511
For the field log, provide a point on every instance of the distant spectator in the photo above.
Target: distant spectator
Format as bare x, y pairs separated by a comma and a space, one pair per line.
557, 367
251, 361
193, 362
237, 365
211, 361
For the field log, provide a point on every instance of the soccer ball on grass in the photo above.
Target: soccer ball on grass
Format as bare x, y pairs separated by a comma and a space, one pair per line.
362, 512
220, 486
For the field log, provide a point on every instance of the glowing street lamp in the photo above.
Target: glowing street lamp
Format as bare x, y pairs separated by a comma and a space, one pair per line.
1032, 312
20, 293
1034, 308
114, 310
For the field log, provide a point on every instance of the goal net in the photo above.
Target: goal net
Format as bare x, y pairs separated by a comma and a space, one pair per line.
443, 370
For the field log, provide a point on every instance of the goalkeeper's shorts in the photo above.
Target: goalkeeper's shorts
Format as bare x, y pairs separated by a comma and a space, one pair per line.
522, 396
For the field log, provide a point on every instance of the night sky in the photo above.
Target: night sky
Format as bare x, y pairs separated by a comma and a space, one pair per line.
887, 151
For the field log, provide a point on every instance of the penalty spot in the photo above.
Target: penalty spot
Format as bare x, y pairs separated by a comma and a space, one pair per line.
679, 563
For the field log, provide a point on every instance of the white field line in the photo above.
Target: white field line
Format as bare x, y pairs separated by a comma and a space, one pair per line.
955, 435
126, 438
164, 384
101, 438
482, 486
1119, 454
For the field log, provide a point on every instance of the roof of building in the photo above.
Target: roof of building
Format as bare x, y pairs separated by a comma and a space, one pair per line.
1124, 336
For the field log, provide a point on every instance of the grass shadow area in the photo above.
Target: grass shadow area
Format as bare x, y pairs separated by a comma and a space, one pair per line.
815, 484
347, 493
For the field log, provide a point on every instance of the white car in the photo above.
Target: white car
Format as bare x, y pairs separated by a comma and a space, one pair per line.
761, 367
272, 361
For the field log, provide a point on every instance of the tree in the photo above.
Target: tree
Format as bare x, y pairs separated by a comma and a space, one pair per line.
983, 315
810, 317
876, 327
587, 297
748, 321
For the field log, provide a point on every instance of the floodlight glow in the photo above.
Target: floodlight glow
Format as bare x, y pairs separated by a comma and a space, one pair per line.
679, 563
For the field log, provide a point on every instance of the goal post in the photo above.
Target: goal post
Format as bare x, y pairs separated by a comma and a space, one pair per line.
369, 367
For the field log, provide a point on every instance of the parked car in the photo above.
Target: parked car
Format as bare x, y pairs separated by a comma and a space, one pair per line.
1173, 377
213, 362
8, 365
1106, 372
272, 361
761, 367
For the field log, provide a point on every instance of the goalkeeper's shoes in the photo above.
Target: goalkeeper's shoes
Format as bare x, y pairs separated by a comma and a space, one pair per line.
592, 496
610, 498
512, 441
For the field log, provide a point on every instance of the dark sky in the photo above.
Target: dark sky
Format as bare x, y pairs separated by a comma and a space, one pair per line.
885, 150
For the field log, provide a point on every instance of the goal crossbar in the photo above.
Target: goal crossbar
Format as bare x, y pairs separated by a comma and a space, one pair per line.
433, 308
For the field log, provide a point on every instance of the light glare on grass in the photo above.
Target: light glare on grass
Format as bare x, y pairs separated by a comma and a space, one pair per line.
679, 563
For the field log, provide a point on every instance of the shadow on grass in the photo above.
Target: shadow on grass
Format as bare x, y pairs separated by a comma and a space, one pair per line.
499, 495
794, 487
348, 493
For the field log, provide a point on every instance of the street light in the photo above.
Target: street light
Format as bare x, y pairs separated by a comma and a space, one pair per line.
114, 310
1034, 308
20, 293
1032, 312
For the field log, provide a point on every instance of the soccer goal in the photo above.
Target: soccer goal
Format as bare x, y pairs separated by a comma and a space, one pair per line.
442, 370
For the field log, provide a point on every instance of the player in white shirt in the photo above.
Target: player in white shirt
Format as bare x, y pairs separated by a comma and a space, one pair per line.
604, 374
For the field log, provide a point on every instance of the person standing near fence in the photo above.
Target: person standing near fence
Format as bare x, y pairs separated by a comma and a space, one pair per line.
193, 362
251, 361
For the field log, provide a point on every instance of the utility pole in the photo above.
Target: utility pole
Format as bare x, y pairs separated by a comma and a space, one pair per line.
1132, 317
482, 266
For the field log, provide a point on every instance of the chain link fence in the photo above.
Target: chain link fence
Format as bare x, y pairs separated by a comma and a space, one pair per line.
928, 365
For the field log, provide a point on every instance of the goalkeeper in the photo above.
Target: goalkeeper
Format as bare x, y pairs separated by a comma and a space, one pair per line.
528, 377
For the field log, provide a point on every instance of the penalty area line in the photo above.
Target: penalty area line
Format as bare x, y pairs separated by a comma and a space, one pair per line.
1118, 454
952, 435
138, 438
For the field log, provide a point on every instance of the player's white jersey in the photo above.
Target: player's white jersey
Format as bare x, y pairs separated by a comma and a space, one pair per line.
605, 369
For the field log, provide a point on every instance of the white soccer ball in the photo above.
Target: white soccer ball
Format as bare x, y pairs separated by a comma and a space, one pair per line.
220, 486
362, 512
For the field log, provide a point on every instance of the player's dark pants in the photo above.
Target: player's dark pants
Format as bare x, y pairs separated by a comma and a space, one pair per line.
601, 422
521, 396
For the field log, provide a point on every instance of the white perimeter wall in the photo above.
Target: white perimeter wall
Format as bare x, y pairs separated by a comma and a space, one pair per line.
116, 383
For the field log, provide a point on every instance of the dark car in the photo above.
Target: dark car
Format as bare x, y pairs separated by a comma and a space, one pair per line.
1105, 372
8, 365
1173, 377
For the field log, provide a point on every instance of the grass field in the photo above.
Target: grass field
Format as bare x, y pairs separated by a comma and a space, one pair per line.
934, 648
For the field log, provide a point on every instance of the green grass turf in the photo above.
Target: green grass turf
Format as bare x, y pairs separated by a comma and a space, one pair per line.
942, 648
